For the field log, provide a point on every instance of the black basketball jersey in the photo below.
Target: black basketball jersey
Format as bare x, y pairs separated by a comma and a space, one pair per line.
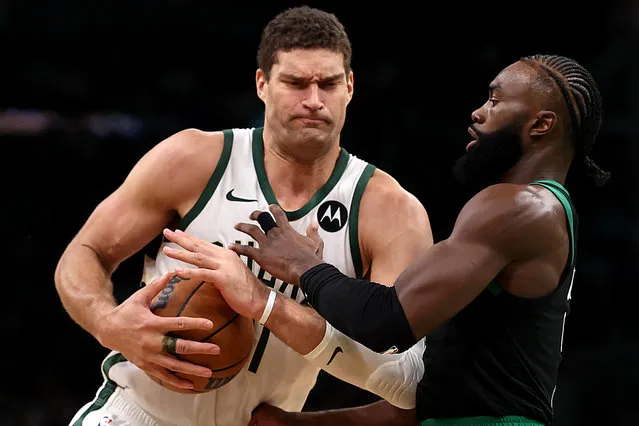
500, 355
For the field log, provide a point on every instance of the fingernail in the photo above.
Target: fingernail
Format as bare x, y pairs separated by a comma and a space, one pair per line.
209, 324
179, 269
215, 351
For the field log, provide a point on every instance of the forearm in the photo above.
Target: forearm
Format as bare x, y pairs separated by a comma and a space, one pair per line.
85, 288
367, 312
394, 377
380, 413
300, 327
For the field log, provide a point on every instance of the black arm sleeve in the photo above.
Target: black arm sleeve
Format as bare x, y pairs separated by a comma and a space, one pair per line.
367, 312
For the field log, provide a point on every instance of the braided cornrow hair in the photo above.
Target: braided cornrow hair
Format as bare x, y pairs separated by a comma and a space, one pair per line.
583, 99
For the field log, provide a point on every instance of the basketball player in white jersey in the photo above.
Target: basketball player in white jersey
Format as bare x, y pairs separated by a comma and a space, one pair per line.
205, 183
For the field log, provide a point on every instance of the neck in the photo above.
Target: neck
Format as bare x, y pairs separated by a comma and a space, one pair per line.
548, 164
295, 173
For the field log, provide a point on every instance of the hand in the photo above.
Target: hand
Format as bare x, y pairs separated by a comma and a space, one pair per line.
268, 415
136, 332
220, 266
284, 252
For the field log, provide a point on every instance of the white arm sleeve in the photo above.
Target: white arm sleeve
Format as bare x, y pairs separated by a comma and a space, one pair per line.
393, 377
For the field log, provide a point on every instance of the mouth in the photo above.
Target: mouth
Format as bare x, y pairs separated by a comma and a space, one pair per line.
472, 143
311, 121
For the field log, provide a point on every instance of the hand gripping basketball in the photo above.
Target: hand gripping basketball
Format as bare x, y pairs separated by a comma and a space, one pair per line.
133, 330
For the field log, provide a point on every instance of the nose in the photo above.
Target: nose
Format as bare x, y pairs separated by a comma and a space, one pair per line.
477, 117
313, 100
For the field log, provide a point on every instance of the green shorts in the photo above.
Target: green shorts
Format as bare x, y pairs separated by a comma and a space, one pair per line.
483, 421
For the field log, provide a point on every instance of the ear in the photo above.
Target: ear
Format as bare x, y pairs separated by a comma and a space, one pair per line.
260, 84
544, 123
350, 85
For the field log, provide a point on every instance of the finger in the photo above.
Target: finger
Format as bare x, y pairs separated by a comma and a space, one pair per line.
313, 232
173, 364
190, 347
253, 230
194, 258
245, 250
202, 274
150, 290
255, 214
266, 221
167, 324
279, 215
184, 240
166, 377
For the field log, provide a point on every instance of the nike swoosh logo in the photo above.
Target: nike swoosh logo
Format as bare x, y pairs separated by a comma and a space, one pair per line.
231, 197
335, 352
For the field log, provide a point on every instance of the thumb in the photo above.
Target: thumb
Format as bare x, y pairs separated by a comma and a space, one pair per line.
313, 232
149, 291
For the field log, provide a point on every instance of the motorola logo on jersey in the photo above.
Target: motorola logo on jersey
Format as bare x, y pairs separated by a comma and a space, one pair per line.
332, 216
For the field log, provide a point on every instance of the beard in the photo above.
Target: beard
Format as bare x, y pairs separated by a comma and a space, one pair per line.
490, 158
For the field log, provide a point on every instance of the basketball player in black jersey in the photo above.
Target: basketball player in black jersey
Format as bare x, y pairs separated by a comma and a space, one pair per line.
492, 298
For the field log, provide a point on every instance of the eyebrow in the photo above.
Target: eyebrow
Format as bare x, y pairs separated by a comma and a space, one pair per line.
494, 86
330, 78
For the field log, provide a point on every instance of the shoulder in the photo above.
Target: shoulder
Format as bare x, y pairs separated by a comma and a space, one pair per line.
384, 196
523, 219
387, 206
178, 167
189, 146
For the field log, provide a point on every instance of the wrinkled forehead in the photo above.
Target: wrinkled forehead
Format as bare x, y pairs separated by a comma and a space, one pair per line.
516, 80
309, 63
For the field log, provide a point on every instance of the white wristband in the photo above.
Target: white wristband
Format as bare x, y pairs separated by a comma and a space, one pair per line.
269, 307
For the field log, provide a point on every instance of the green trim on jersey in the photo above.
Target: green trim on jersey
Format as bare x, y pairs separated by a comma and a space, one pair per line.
564, 198
211, 186
258, 161
107, 388
562, 195
483, 421
353, 219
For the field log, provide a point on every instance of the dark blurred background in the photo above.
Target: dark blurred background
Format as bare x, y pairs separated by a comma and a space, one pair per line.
86, 88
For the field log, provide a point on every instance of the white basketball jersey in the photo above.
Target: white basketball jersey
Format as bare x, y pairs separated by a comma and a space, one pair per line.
274, 373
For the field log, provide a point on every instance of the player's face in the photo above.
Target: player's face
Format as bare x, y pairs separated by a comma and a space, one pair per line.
499, 130
306, 96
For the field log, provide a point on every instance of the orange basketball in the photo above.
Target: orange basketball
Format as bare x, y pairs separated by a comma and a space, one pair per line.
232, 332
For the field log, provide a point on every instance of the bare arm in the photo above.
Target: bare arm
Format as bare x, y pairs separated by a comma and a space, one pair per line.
152, 194
380, 413
501, 225
393, 228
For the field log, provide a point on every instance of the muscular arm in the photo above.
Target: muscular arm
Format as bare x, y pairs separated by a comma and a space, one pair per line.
122, 224
380, 413
487, 236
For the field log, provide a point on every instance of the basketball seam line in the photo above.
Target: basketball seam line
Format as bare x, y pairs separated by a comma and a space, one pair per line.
189, 298
221, 328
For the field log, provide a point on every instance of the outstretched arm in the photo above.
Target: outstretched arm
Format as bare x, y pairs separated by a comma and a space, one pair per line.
442, 280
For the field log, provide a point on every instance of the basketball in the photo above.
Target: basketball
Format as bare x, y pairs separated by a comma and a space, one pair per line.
232, 332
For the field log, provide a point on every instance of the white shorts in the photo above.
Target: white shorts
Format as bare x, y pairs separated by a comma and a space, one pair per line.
117, 410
